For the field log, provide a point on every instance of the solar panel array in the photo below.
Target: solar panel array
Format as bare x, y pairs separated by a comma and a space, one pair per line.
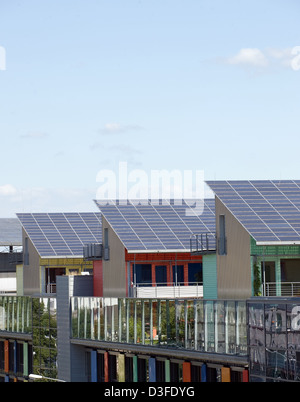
268, 210
10, 232
151, 227
62, 234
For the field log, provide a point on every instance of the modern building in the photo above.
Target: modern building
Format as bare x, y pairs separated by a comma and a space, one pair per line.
258, 232
72, 337
53, 246
105, 327
10, 254
147, 249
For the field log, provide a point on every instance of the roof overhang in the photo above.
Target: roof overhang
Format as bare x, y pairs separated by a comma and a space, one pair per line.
158, 251
53, 257
278, 243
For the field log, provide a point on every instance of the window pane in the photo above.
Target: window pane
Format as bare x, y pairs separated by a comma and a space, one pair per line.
220, 326
209, 327
230, 328
195, 272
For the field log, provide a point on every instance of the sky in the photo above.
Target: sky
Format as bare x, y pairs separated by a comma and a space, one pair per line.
96, 89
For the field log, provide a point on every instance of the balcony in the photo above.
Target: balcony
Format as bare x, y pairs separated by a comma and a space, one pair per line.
284, 289
51, 288
203, 243
168, 290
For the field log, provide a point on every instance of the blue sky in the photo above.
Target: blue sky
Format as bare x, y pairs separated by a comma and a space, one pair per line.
159, 84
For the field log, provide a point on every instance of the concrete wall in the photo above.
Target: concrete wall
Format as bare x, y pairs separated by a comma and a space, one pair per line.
114, 270
234, 268
71, 359
31, 272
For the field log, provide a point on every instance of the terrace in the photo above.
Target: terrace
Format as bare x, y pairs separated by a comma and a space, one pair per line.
213, 326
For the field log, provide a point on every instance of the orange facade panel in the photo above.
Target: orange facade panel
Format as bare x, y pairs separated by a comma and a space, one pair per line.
106, 368
6, 356
186, 372
225, 374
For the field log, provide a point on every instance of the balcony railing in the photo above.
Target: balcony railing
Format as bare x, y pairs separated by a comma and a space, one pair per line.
168, 290
51, 288
214, 326
285, 289
203, 243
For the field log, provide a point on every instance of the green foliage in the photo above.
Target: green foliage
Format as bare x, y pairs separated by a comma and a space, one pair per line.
256, 280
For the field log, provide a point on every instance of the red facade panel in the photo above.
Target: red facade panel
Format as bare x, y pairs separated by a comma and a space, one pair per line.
145, 257
98, 278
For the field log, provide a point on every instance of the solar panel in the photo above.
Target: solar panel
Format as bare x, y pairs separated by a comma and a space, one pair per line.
157, 226
10, 232
268, 210
62, 234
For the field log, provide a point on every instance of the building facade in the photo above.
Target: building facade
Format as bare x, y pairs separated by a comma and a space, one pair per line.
127, 322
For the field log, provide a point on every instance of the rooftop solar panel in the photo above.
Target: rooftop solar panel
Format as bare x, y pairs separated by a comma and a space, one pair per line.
158, 225
62, 234
269, 210
10, 232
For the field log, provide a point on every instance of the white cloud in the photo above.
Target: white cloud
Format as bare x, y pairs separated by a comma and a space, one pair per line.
249, 57
7, 190
116, 128
263, 59
282, 56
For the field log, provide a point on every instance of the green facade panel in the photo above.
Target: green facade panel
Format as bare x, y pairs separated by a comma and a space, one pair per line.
167, 371
135, 369
25, 359
284, 250
210, 287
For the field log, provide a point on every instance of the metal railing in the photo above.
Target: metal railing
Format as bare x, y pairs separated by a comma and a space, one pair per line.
203, 243
168, 289
164, 322
284, 289
51, 288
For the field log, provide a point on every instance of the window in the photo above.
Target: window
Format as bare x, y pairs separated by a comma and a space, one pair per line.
177, 271
195, 373
222, 237
26, 252
112, 366
160, 370
142, 274
20, 358
142, 369
100, 367
195, 273
128, 369
106, 245
161, 275
88, 365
